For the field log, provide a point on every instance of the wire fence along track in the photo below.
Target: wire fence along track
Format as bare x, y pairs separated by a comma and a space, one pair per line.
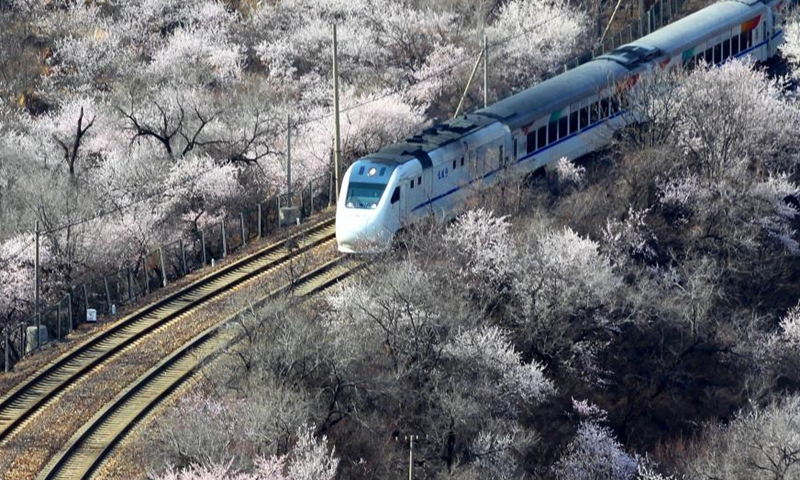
90, 446
27, 398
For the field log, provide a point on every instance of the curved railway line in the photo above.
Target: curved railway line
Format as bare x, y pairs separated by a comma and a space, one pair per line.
91, 445
25, 400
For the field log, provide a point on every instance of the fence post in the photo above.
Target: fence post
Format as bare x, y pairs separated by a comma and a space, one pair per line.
203, 241
7, 353
85, 299
130, 283
278, 216
58, 319
163, 269
22, 340
183, 257
241, 221
259, 220
108, 294
69, 307
146, 277
224, 240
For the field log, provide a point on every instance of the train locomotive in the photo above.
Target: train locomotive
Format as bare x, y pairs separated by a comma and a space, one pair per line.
569, 115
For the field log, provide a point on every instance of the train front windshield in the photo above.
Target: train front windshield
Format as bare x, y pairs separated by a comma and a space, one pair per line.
364, 195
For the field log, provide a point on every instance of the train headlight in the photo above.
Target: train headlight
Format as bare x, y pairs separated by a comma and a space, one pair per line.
373, 206
372, 171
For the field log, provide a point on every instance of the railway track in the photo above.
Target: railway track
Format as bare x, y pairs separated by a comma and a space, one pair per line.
90, 446
25, 400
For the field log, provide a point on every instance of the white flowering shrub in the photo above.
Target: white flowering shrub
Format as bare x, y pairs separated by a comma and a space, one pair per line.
567, 173
595, 454
790, 327
309, 459
484, 250
790, 47
561, 273
198, 56
628, 238
526, 53
759, 444
489, 363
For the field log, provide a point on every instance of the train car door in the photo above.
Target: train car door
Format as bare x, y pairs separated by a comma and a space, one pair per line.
399, 201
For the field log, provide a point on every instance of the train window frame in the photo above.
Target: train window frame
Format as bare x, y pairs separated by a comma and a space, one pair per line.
395, 195
541, 137
734, 45
584, 118
726, 49
594, 113
552, 132
573, 122
563, 127
531, 141
604, 108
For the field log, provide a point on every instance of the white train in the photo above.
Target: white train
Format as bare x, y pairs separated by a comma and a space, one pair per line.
568, 115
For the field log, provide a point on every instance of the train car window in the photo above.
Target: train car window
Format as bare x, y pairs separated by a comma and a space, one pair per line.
515, 149
604, 108
419, 179
454, 164
541, 135
552, 132
735, 45
531, 142
361, 171
500, 158
383, 170
573, 122
396, 195
563, 127
412, 183
717, 53
462, 161
584, 114
710, 56
726, 49
594, 112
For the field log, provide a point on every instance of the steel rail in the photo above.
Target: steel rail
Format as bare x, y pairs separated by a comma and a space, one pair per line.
94, 442
22, 402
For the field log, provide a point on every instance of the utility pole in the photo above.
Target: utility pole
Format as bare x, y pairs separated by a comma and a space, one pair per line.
411, 439
289, 158
337, 153
485, 71
36, 284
